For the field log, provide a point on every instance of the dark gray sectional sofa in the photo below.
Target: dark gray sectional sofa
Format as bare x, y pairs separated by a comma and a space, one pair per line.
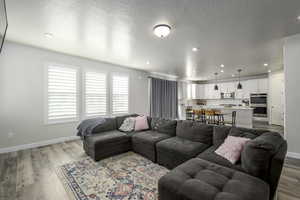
187, 148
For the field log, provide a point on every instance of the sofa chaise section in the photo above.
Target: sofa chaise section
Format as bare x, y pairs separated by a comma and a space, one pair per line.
106, 140
199, 179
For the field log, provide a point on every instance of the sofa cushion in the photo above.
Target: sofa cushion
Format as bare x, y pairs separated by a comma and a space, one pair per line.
199, 179
174, 151
120, 119
221, 132
103, 145
164, 126
257, 154
106, 137
195, 131
210, 155
149, 137
108, 125
144, 143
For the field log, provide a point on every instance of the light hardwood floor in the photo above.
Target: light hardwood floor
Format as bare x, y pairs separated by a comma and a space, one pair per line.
30, 174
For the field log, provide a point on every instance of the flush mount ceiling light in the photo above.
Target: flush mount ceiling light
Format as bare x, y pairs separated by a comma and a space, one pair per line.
269, 71
162, 30
222, 71
148, 62
222, 65
239, 86
195, 49
266, 64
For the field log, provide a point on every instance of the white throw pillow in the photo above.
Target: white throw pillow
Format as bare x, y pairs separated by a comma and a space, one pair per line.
128, 124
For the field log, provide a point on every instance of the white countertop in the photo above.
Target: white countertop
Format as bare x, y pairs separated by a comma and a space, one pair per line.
222, 107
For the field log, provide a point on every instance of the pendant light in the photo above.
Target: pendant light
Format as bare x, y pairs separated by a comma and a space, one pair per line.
216, 86
239, 86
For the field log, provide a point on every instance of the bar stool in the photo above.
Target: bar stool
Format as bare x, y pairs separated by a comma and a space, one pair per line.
189, 113
220, 117
210, 116
223, 122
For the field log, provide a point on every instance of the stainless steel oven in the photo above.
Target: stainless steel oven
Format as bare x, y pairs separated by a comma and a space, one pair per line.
258, 101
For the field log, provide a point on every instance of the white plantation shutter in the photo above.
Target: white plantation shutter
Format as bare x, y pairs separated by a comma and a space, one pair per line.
62, 93
95, 94
120, 94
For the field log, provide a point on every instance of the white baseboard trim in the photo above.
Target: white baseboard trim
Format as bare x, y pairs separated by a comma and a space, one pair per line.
37, 144
293, 155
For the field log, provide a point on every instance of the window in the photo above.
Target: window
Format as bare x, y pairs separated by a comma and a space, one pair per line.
62, 101
95, 94
120, 95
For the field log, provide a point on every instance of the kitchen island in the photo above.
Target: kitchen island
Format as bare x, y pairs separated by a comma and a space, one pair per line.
244, 114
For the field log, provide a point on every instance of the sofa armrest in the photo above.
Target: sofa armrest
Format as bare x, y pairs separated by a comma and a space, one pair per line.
258, 153
276, 168
108, 125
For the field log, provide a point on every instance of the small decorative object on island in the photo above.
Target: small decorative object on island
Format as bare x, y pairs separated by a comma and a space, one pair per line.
3, 23
239, 86
216, 86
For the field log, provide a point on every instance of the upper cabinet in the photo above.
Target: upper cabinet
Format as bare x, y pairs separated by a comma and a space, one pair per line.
263, 85
255, 86
227, 87
207, 91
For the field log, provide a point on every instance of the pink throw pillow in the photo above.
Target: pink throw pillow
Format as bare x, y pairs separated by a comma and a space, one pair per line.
232, 148
141, 123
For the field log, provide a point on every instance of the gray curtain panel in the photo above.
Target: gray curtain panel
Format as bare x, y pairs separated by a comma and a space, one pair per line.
163, 99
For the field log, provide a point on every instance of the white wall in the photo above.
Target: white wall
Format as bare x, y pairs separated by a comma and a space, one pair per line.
22, 93
276, 98
292, 94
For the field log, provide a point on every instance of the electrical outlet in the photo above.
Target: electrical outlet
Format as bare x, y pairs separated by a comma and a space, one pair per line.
11, 134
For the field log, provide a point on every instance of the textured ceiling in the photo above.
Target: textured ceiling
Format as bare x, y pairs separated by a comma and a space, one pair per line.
236, 33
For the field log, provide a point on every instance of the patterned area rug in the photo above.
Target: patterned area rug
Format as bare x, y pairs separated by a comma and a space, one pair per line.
127, 176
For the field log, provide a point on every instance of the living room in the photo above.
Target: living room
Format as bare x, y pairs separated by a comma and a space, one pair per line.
149, 99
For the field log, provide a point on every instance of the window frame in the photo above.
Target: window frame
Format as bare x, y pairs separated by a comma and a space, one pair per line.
111, 93
107, 77
48, 121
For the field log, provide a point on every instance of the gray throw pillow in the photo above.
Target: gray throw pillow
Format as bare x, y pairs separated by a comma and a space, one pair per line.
166, 126
128, 124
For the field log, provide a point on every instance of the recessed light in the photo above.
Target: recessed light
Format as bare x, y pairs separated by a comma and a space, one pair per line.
148, 62
269, 71
195, 49
222, 65
233, 75
162, 30
222, 71
266, 64
48, 35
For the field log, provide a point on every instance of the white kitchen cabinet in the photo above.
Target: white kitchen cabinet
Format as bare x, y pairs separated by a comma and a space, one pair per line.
251, 86
211, 93
263, 85
200, 91
227, 87
197, 91
255, 86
